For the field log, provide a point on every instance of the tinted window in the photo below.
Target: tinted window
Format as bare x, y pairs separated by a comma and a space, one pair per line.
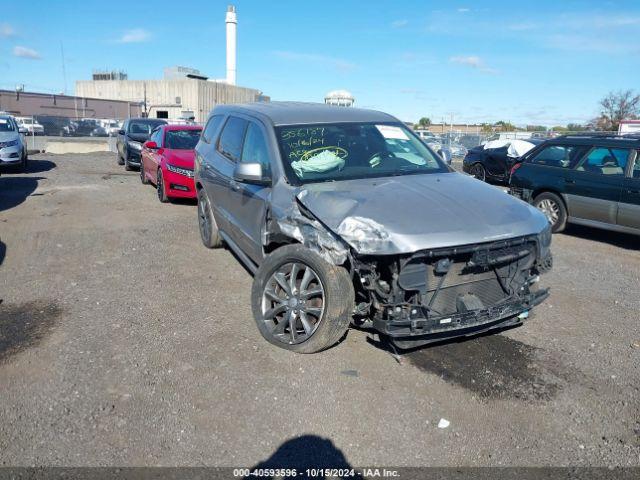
636, 166
255, 147
181, 139
143, 127
230, 144
563, 156
605, 161
211, 128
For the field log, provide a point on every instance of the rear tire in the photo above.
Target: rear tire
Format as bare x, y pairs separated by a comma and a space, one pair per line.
319, 320
478, 171
553, 207
209, 232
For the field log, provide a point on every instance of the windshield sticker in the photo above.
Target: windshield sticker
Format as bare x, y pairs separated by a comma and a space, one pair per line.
389, 131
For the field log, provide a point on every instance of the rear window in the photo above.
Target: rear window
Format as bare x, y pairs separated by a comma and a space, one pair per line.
181, 139
561, 156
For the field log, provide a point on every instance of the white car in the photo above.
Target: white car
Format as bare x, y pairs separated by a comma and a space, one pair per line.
13, 151
31, 125
430, 139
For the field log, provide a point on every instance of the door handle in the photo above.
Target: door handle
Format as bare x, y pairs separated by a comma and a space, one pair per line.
568, 180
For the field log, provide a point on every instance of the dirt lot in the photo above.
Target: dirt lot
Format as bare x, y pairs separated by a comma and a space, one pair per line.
124, 341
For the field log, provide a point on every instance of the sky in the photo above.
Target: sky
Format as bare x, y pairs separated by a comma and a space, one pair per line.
536, 62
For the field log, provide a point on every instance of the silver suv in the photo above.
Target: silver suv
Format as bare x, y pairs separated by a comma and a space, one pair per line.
13, 150
345, 215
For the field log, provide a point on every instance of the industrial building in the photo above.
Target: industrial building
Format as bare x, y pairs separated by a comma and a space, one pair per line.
31, 104
183, 93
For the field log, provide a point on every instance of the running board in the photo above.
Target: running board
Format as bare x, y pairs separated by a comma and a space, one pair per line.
253, 268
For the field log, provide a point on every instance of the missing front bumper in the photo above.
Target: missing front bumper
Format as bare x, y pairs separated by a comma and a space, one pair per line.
415, 325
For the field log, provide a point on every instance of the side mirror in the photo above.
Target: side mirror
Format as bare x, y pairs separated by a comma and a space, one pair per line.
150, 145
251, 173
22, 130
120, 132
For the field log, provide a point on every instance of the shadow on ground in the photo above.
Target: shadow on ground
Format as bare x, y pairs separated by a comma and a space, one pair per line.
306, 452
35, 165
3, 251
621, 240
490, 366
24, 326
15, 190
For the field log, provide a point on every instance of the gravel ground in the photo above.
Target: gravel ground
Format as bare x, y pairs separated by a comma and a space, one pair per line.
123, 341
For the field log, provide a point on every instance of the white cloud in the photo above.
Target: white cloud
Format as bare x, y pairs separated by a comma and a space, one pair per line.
324, 60
24, 52
473, 62
137, 35
6, 30
399, 23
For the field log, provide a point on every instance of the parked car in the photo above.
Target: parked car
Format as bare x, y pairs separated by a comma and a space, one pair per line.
134, 132
493, 161
13, 149
167, 160
338, 224
591, 180
508, 136
56, 126
457, 150
85, 127
112, 127
31, 126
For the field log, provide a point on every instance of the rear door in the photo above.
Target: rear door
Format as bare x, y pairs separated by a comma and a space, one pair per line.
595, 185
205, 159
248, 200
629, 209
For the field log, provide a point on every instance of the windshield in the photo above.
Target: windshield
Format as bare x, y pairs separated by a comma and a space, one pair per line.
6, 125
342, 151
181, 139
143, 127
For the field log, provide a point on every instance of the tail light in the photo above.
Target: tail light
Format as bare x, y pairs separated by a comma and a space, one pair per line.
514, 168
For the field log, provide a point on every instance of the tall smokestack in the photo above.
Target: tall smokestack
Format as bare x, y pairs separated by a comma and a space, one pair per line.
232, 25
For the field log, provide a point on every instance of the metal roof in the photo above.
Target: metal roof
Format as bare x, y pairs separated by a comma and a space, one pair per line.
301, 113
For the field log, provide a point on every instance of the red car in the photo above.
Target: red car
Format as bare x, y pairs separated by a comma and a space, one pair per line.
167, 160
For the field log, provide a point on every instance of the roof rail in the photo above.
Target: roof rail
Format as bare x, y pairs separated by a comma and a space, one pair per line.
615, 135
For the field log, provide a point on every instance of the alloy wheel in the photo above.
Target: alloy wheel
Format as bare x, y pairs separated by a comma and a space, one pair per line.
204, 220
478, 172
550, 209
160, 187
293, 303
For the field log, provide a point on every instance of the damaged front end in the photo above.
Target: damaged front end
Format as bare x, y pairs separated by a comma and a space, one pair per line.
436, 294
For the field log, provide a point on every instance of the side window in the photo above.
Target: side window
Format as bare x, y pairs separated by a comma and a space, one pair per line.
635, 173
562, 156
255, 147
156, 136
605, 161
211, 128
230, 143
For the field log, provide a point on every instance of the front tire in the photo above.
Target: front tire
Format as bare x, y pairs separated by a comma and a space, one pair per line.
209, 232
301, 302
127, 167
553, 207
162, 194
143, 176
120, 160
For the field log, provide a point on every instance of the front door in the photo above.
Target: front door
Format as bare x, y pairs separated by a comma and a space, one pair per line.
249, 200
629, 210
594, 187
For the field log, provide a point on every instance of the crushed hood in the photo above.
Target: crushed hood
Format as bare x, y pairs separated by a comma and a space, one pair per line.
416, 212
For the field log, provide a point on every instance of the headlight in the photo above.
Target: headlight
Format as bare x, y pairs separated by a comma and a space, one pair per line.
11, 143
135, 145
180, 171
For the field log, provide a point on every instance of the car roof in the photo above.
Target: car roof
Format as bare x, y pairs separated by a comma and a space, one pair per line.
181, 127
146, 119
302, 113
605, 139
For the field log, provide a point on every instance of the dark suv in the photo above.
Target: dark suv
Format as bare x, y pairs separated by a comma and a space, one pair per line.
133, 134
589, 179
344, 213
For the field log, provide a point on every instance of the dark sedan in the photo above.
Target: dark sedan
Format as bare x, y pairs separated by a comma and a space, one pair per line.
134, 133
493, 161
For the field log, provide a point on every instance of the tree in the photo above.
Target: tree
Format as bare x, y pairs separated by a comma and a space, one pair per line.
424, 122
503, 126
616, 106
